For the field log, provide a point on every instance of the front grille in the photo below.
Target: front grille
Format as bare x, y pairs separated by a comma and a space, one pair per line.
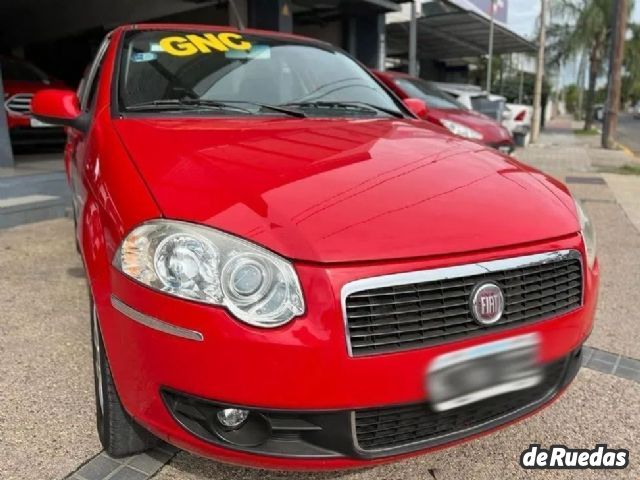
397, 427
19, 104
402, 316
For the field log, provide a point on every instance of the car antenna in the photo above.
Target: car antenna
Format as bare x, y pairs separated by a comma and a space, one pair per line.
236, 14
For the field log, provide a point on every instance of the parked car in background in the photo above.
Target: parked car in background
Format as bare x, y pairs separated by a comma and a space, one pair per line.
288, 268
20, 81
474, 98
517, 119
598, 112
446, 111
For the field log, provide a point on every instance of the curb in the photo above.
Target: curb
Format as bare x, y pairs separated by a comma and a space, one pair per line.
627, 151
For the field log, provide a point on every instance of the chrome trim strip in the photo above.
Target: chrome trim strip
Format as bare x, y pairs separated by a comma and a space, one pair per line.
19, 104
154, 323
451, 272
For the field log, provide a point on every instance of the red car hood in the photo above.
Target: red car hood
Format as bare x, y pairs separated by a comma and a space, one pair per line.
344, 190
491, 130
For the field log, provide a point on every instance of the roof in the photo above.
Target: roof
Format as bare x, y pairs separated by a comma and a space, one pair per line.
195, 27
447, 31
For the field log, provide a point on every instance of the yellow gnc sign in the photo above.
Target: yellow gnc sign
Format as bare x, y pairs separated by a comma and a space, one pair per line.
204, 43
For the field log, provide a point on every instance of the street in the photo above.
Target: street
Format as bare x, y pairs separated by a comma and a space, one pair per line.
629, 132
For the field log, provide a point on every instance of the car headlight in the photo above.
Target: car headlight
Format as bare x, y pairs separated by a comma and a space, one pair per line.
207, 265
588, 233
461, 130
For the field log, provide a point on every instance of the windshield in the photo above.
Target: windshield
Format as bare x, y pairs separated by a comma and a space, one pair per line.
490, 108
172, 70
21, 71
432, 95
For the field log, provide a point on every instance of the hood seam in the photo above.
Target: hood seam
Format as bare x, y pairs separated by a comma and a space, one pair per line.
137, 169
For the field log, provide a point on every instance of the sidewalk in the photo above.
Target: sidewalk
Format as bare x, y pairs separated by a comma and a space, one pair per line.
613, 202
34, 190
559, 150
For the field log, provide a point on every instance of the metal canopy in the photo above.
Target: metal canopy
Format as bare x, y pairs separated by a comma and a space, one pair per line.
454, 34
29, 21
319, 11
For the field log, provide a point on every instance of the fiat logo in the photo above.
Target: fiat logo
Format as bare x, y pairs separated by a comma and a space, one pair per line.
487, 303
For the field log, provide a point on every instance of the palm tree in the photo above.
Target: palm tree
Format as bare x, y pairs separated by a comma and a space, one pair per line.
582, 26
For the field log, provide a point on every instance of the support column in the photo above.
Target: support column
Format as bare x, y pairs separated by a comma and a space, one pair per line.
366, 35
270, 15
6, 153
413, 40
351, 36
238, 13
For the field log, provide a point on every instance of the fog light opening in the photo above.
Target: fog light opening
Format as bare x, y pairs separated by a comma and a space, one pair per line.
232, 418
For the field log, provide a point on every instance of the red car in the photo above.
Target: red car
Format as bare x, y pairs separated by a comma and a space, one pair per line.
446, 111
288, 269
20, 81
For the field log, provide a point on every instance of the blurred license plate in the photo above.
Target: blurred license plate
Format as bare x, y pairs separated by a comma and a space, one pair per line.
35, 123
476, 373
505, 149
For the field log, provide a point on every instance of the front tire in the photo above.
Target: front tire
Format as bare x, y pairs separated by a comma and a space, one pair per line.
119, 434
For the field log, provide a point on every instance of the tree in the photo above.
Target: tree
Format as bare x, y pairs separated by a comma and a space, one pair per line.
631, 80
571, 98
582, 25
510, 88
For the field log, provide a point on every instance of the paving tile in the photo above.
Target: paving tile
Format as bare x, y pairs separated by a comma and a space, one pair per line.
599, 365
149, 462
127, 473
630, 363
98, 468
629, 374
605, 357
585, 180
587, 353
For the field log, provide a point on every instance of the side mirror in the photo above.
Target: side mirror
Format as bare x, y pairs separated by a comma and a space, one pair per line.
417, 106
59, 107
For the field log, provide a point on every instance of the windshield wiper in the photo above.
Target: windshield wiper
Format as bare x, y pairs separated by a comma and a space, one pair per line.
345, 104
275, 108
197, 103
185, 103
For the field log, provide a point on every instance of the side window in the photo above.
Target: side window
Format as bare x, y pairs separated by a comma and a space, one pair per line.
89, 84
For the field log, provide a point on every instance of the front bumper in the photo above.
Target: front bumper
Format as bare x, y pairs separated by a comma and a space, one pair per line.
303, 366
366, 433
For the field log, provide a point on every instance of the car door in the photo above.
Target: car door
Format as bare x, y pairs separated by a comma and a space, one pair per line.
75, 149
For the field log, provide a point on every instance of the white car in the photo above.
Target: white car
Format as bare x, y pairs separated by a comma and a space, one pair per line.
474, 98
517, 119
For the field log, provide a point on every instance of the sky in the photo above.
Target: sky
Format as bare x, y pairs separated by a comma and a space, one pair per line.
522, 18
523, 15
